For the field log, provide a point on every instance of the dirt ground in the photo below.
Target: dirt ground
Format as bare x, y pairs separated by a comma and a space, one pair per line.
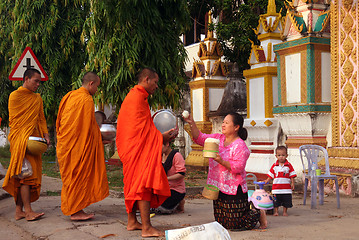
325, 222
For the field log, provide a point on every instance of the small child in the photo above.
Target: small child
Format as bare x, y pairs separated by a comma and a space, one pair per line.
283, 174
175, 169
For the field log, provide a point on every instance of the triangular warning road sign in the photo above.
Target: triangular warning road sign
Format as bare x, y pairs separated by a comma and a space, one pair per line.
27, 60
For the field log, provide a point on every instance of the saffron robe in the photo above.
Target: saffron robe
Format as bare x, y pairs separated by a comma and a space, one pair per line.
139, 146
80, 153
26, 118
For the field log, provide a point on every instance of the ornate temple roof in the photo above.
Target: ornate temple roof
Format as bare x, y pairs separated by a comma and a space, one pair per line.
268, 32
219, 69
234, 97
269, 22
322, 22
297, 21
198, 69
210, 53
257, 53
306, 17
213, 50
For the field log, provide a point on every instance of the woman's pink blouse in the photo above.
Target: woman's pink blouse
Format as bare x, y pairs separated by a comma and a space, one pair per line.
236, 154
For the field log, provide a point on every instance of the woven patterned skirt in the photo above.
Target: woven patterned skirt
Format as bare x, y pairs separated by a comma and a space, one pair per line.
233, 211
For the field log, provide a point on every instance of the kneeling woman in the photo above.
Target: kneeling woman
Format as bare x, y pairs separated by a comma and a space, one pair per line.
227, 172
174, 166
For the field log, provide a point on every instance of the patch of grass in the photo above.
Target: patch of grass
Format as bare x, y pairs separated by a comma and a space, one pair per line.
5, 156
5, 162
5, 151
50, 167
194, 172
195, 176
193, 184
115, 177
51, 193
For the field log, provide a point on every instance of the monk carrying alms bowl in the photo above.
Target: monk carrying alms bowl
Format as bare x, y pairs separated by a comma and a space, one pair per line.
210, 148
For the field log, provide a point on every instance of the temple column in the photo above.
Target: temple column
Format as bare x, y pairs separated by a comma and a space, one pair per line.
344, 152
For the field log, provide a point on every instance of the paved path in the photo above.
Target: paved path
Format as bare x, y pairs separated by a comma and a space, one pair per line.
326, 222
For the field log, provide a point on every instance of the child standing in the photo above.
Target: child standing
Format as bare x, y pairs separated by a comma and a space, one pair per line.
283, 174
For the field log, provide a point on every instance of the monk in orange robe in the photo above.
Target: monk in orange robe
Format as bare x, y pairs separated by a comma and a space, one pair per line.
139, 145
80, 151
26, 118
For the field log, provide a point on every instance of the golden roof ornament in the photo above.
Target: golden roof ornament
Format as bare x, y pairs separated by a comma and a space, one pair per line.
269, 22
271, 8
209, 33
209, 53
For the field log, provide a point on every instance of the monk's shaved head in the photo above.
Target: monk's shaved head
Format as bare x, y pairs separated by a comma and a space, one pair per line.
30, 72
146, 72
91, 81
148, 78
89, 77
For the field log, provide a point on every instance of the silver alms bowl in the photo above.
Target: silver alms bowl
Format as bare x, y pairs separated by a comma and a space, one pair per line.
108, 132
164, 120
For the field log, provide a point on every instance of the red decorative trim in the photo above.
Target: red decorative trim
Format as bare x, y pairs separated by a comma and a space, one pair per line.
306, 137
262, 151
261, 143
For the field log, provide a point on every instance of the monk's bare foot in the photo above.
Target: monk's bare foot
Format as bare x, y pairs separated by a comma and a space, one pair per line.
32, 216
81, 216
152, 232
135, 226
275, 214
19, 215
285, 214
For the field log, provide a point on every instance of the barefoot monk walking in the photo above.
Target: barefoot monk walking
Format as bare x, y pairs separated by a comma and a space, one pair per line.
26, 118
80, 151
139, 145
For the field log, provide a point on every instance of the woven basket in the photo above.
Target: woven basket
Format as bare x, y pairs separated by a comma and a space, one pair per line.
210, 150
210, 192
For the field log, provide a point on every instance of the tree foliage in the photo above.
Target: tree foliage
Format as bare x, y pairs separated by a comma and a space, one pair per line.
124, 36
5, 58
52, 29
238, 19
113, 38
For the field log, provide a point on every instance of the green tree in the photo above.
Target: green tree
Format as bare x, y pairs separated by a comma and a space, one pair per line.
124, 36
113, 38
238, 18
52, 29
5, 58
